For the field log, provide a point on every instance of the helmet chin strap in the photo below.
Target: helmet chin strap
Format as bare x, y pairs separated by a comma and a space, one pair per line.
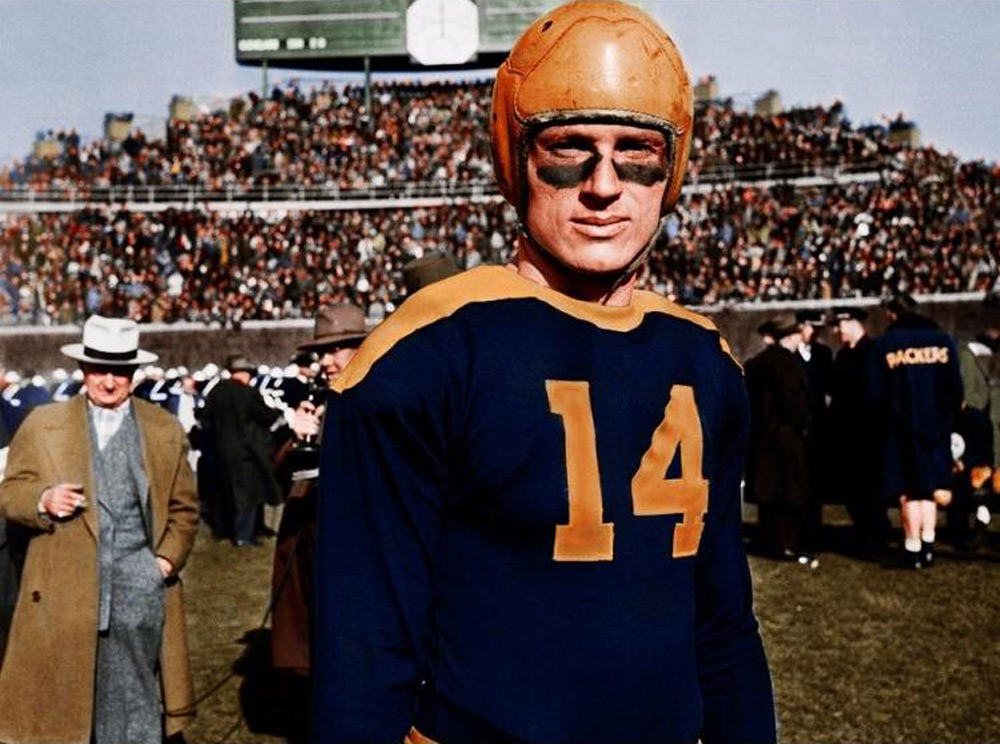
622, 275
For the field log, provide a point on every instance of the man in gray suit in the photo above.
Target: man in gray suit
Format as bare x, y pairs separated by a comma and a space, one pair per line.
102, 485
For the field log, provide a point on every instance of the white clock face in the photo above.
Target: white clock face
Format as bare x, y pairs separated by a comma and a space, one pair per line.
442, 32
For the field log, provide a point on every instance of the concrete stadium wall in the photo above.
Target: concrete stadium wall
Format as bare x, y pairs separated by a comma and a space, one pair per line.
193, 345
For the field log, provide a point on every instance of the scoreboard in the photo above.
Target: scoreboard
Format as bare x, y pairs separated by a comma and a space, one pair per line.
392, 34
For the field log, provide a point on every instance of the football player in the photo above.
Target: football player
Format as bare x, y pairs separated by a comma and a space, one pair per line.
529, 520
919, 382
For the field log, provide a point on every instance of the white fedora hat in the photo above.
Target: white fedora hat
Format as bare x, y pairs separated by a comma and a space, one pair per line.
109, 341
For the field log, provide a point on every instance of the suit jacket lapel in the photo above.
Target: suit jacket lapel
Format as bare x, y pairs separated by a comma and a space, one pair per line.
68, 446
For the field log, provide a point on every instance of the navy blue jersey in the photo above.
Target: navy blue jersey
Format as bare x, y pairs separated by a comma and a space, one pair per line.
920, 384
529, 527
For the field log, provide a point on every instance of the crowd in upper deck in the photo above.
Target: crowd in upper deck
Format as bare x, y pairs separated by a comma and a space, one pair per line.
926, 223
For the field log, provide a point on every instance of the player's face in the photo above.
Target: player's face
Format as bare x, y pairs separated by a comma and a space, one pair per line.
107, 386
594, 193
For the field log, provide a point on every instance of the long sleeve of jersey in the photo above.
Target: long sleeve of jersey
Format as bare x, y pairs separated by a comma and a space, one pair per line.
735, 682
379, 517
529, 528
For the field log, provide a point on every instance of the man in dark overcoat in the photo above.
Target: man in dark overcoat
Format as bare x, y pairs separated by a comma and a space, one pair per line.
817, 358
97, 652
778, 466
240, 425
857, 433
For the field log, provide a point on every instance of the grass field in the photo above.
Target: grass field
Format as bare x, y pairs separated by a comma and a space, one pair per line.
859, 652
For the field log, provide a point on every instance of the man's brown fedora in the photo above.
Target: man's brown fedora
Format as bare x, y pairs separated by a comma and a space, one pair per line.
337, 325
428, 269
239, 363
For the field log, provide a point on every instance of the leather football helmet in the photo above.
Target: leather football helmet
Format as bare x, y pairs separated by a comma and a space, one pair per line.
600, 61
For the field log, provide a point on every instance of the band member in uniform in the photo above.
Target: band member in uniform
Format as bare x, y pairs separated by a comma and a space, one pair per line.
918, 379
297, 386
529, 512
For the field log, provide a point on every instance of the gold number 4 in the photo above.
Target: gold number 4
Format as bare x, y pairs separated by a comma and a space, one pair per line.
588, 537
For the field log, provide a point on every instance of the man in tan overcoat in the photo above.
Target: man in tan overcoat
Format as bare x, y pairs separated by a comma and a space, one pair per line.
97, 649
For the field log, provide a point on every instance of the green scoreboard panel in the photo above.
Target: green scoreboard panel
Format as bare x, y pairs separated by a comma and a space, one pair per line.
392, 34
289, 31
502, 21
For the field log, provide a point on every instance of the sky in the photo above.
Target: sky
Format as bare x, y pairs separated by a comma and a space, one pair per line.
64, 63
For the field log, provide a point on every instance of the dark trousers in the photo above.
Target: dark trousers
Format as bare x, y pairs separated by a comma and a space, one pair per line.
782, 527
871, 522
245, 525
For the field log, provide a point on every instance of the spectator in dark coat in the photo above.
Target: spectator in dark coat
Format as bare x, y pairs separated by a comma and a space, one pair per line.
778, 467
240, 425
856, 433
818, 360
920, 385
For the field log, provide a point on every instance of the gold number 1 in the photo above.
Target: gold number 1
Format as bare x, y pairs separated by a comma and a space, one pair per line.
588, 537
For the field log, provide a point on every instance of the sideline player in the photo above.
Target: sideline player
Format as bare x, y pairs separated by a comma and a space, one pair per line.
920, 381
529, 529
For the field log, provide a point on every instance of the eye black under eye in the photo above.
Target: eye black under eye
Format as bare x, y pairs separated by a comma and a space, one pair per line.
568, 176
644, 174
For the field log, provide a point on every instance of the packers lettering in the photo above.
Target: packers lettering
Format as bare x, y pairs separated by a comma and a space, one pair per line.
924, 355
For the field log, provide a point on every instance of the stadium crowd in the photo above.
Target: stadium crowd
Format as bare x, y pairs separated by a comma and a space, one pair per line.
915, 231
926, 223
324, 136
202, 266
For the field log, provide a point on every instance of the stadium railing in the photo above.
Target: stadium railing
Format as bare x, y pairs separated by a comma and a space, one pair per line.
471, 189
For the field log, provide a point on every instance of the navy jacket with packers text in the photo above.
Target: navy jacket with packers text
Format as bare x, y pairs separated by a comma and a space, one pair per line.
529, 527
919, 383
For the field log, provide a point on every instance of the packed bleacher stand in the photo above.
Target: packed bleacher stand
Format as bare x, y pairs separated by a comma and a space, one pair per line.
926, 223
323, 136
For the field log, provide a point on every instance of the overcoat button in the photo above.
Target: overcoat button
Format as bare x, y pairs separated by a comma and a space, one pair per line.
36, 596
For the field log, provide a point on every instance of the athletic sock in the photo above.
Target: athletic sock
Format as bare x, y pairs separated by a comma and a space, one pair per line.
927, 536
912, 544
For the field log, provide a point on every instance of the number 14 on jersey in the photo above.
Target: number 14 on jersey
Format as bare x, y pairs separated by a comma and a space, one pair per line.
588, 537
